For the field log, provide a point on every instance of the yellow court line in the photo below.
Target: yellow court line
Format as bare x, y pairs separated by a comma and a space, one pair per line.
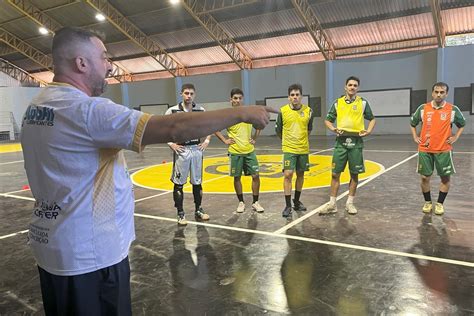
10, 148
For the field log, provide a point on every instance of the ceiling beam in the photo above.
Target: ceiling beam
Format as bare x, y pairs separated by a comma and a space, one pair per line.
306, 13
26, 49
387, 46
19, 74
438, 22
137, 36
7, 50
208, 6
68, 3
197, 9
42, 19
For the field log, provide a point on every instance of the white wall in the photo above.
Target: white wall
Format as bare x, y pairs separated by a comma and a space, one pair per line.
458, 67
7, 81
416, 70
150, 92
214, 87
16, 100
114, 93
274, 82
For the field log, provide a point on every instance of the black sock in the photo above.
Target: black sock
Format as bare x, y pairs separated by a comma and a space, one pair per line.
442, 196
288, 200
178, 197
297, 195
197, 193
240, 197
427, 196
255, 198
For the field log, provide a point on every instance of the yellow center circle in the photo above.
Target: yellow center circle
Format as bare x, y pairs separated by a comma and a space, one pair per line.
216, 177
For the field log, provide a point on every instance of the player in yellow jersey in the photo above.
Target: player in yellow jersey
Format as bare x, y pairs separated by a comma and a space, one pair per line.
349, 112
293, 125
242, 156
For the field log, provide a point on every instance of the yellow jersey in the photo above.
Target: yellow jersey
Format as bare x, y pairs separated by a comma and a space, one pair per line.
241, 134
350, 116
294, 127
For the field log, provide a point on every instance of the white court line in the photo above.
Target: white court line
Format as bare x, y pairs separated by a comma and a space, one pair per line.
17, 197
22, 190
10, 162
14, 234
412, 151
313, 240
152, 196
463, 152
390, 151
318, 241
316, 210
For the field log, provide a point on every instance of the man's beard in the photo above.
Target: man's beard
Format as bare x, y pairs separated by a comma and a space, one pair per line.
99, 88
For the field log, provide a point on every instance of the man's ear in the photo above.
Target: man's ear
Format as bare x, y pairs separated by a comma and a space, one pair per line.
81, 63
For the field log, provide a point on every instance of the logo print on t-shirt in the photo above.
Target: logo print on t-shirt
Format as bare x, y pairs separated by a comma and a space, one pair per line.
39, 115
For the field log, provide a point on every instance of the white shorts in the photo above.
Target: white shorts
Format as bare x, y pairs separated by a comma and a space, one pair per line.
188, 162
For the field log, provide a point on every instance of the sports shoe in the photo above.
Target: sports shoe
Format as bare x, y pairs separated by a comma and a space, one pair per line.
298, 206
182, 219
328, 209
427, 207
241, 207
201, 215
439, 209
351, 209
286, 212
257, 207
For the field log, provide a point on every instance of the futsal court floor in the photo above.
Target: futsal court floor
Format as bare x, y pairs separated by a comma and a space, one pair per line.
389, 259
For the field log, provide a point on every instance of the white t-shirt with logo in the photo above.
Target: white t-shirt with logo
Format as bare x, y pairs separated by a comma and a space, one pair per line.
83, 215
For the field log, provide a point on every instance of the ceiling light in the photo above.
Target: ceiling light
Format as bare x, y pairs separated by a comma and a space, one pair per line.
174, 2
100, 17
43, 30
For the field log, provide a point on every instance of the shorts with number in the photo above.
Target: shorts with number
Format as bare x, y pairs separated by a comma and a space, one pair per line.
188, 162
298, 162
442, 161
353, 156
247, 163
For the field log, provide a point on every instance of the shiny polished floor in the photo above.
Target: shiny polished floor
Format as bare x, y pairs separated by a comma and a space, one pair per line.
390, 259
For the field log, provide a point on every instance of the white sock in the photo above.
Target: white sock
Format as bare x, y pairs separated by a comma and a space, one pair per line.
350, 200
332, 200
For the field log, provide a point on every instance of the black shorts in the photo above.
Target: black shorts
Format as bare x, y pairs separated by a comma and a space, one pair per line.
102, 292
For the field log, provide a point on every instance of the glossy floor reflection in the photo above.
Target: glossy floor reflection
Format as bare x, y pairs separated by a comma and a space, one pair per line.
237, 265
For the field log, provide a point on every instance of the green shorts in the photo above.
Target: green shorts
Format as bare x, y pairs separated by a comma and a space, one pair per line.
298, 162
247, 163
343, 155
443, 162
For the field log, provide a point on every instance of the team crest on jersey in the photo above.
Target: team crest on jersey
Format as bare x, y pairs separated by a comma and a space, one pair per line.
354, 107
444, 116
302, 114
